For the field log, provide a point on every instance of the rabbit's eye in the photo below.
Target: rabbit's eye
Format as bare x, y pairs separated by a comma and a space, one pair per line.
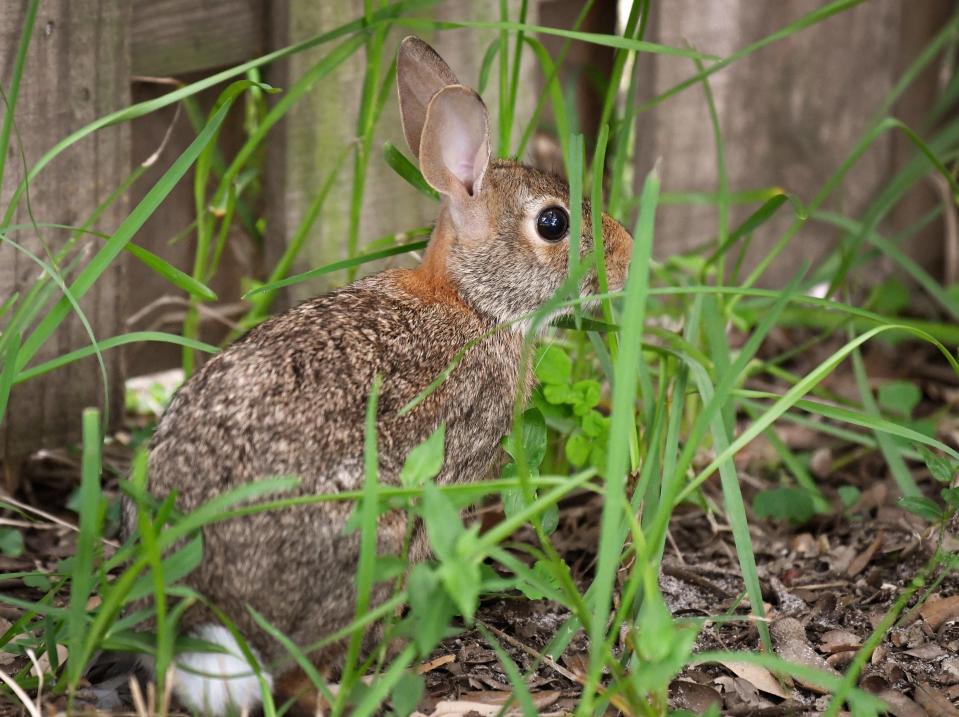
552, 223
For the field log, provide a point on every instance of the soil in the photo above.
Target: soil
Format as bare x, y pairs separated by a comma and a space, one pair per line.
827, 583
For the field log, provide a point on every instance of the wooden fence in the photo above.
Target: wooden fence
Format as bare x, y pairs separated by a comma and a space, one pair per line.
789, 112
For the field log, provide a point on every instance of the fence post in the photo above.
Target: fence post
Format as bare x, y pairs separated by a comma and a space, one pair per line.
314, 133
789, 113
77, 69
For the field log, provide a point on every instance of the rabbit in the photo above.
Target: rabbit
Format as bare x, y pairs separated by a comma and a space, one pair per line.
289, 397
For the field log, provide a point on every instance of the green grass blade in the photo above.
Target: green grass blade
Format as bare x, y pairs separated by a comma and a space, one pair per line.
11, 95
133, 337
891, 452
520, 689
614, 41
786, 401
179, 279
622, 427
7, 373
337, 266
85, 556
264, 296
400, 164
122, 236
302, 661
369, 513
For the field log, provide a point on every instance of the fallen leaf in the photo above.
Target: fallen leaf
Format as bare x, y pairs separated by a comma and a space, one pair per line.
934, 702
44, 660
791, 644
937, 611
900, 705
839, 641
435, 663
929, 651
761, 678
693, 696
860, 562
499, 697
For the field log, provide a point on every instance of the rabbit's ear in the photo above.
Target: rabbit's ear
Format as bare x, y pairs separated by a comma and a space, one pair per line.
455, 146
420, 74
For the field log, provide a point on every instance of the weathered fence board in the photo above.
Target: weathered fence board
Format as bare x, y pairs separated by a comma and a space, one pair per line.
789, 113
170, 37
77, 70
316, 132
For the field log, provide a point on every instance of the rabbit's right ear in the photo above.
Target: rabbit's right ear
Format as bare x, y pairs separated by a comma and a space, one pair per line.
420, 74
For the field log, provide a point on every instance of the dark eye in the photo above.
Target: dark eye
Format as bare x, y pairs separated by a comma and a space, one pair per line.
552, 223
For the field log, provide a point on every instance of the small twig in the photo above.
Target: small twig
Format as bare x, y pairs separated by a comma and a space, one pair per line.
36, 665
137, 694
4, 498
219, 313
545, 659
951, 234
33, 709
672, 542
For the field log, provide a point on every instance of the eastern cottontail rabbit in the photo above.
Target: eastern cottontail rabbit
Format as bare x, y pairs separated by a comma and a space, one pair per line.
289, 397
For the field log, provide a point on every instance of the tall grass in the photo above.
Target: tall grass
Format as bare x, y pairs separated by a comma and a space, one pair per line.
671, 392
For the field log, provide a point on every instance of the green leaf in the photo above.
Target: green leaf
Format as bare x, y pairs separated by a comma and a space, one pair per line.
38, 581
558, 394
595, 424
534, 439
430, 608
899, 397
388, 567
177, 278
11, 542
544, 573
923, 507
793, 504
951, 497
443, 523
425, 461
462, 577
400, 164
577, 449
588, 393
655, 628
553, 365
890, 297
849, 494
549, 520
940, 468
407, 693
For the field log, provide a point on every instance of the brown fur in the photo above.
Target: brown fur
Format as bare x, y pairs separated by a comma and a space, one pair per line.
289, 397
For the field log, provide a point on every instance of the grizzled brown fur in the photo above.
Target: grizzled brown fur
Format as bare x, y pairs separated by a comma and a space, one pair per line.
290, 397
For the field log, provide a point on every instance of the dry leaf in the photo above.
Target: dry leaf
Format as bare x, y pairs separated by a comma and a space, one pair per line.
934, 702
937, 611
44, 660
900, 705
839, 641
761, 678
863, 559
435, 663
693, 696
791, 645
929, 651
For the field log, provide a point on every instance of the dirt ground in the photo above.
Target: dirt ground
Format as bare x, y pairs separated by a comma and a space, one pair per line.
827, 584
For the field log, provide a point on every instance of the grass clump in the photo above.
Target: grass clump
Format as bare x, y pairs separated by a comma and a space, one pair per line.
637, 408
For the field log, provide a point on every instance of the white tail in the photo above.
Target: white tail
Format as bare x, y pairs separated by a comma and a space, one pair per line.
216, 683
